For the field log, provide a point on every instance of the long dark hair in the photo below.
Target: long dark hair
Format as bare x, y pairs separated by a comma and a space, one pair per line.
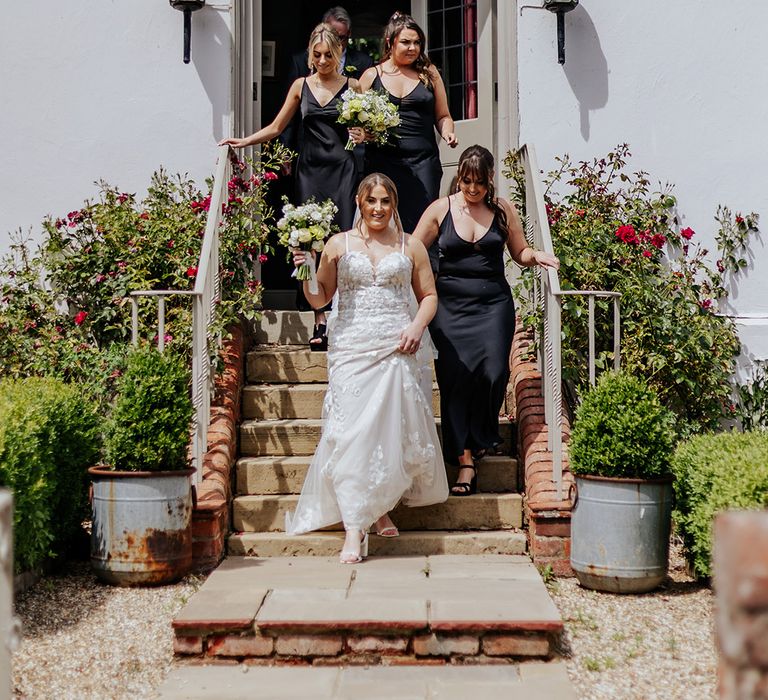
364, 189
477, 161
398, 22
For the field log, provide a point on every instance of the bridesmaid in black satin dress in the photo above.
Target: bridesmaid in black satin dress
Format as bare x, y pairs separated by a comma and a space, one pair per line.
325, 170
411, 159
475, 318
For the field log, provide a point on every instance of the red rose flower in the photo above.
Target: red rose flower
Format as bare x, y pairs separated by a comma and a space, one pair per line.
192, 272
263, 258
269, 175
80, 316
658, 240
687, 233
706, 304
739, 219
647, 254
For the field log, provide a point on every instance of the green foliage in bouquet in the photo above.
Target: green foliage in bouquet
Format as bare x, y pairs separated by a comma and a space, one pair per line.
149, 428
613, 231
621, 430
715, 473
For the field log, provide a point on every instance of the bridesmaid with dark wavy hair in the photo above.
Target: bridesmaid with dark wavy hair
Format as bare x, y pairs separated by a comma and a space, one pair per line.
411, 159
475, 318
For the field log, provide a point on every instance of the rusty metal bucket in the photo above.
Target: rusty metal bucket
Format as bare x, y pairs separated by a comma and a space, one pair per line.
141, 526
620, 533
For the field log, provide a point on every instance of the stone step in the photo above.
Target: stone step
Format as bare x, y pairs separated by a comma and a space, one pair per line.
483, 511
385, 610
531, 680
274, 401
284, 327
423, 542
299, 436
283, 364
283, 475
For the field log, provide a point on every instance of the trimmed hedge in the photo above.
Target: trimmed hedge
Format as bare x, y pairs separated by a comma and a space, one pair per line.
49, 436
715, 473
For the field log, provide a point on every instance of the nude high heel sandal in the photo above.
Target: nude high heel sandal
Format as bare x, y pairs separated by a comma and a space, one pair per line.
347, 557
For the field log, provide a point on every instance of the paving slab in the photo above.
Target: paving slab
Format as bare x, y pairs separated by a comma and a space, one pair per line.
526, 681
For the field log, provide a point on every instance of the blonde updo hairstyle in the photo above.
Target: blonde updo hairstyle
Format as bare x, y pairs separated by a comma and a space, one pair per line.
364, 189
324, 33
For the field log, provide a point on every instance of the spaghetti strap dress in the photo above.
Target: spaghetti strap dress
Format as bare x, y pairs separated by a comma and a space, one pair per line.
379, 443
472, 332
324, 169
411, 158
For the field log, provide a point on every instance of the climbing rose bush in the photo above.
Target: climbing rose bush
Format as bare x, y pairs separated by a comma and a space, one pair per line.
613, 231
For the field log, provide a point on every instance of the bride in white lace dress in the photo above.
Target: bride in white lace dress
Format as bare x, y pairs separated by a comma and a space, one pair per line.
379, 444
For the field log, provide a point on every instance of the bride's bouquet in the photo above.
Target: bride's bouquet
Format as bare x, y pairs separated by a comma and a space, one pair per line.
372, 110
306, 227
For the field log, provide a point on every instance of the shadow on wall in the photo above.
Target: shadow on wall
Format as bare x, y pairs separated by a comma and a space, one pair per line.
585, 66
211, 42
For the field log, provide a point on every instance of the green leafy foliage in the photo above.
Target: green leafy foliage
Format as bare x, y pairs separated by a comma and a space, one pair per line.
752, 405
149, 427
621, 430
66, 302
49, 435
715, 473
613, 231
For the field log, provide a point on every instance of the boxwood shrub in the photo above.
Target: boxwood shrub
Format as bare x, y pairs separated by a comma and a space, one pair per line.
149, 428
49, 435
621, 430
714, 473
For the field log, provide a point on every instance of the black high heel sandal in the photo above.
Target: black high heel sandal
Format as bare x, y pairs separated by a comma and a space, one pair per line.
319, 334
462, 488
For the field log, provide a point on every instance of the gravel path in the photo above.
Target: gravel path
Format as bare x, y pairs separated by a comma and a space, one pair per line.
640, 647
85, 640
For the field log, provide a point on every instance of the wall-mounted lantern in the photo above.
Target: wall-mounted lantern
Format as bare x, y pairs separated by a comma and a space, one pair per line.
559, 7
187, 7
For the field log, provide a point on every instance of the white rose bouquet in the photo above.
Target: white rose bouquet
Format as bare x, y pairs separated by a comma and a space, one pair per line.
370, 110
305, 227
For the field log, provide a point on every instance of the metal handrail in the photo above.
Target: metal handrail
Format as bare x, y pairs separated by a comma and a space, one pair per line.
205, 298
548, 297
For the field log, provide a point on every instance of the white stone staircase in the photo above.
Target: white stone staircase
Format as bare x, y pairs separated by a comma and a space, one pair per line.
281, 408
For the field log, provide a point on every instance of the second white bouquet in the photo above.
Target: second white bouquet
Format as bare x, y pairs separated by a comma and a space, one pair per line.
305, 227
371, 110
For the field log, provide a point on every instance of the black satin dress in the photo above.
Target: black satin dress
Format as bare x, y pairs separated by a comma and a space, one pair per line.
472, 332
324, 169
411, 159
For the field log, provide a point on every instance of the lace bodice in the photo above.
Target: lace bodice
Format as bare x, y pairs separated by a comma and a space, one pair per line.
374, 298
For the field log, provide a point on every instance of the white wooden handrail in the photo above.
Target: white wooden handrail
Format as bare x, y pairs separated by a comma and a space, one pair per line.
547, 296
205, 298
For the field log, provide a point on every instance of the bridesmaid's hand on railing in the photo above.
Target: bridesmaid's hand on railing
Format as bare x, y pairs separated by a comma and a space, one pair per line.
546, 259
235, 143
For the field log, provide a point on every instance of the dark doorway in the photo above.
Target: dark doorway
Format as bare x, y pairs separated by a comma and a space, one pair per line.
288, 24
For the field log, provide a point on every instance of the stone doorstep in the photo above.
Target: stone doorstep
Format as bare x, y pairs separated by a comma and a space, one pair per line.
480, 512
285, 475
299, 436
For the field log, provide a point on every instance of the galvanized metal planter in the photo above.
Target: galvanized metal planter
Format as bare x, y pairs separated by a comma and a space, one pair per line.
620, 533
141, 526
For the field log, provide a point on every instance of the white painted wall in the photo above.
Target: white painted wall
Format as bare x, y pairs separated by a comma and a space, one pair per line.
685, 84
96, 89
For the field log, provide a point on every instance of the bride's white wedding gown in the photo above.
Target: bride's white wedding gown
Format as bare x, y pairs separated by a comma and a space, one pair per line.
379, 443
